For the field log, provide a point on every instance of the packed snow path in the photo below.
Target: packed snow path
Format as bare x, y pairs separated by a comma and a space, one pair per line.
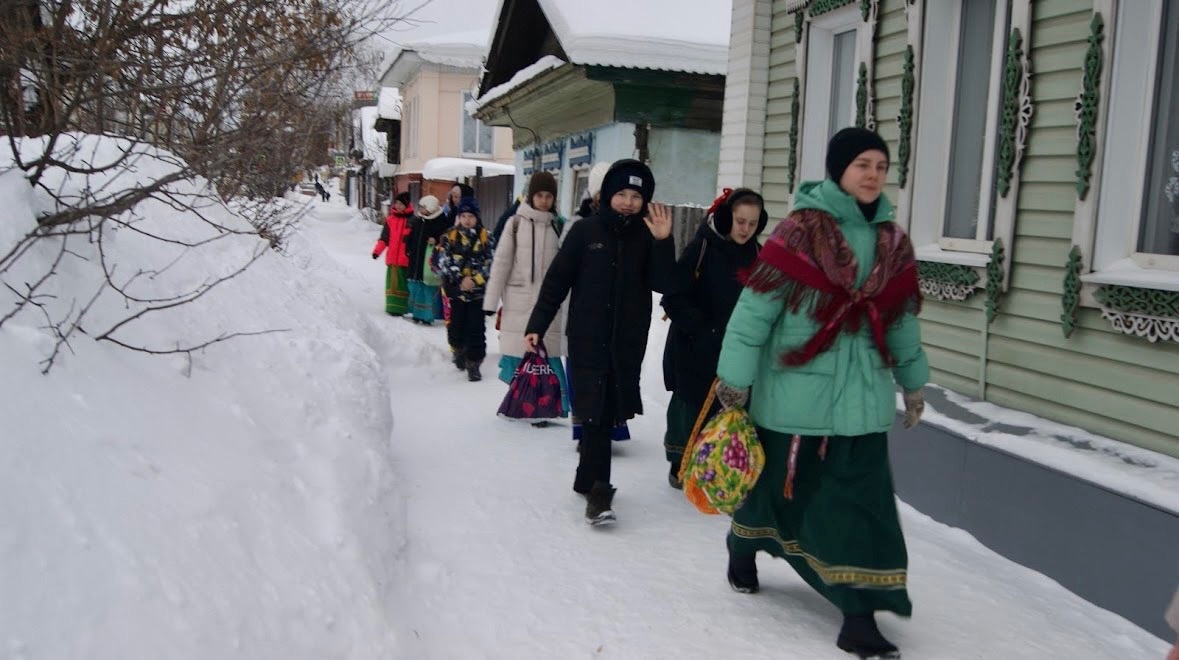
498, 561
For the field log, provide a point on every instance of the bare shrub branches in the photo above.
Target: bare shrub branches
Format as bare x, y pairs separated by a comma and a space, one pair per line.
241, 94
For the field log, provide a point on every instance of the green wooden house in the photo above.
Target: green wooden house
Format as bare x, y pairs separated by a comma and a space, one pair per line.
577, 84
1035, 164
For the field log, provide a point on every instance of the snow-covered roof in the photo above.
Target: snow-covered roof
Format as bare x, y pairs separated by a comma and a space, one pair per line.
464, 50
372, 142
461, 49
451, 169
389, 103
651, 34
546, 63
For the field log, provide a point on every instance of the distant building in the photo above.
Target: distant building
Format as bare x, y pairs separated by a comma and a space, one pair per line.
578, 84
435, 78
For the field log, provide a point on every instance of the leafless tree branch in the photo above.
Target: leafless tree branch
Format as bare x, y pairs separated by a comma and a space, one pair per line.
239, 94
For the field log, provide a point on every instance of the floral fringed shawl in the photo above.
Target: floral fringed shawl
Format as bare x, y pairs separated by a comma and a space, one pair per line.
809, 264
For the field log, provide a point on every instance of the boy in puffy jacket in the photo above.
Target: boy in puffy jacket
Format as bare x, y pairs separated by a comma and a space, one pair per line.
464, 263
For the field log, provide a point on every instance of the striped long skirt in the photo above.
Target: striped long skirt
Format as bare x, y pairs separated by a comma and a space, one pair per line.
396, 291
421, 301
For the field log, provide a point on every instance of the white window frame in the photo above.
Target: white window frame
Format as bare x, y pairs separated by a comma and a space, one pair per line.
1107, 224
817, 62
409, 129
933, 135
479, 125
580, 173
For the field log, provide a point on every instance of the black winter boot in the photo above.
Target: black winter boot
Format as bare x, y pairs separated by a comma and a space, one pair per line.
460, 359
598, 502
743, 572
473, 374
673, 477
861, 637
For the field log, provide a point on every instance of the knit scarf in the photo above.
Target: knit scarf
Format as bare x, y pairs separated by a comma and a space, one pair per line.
808, 263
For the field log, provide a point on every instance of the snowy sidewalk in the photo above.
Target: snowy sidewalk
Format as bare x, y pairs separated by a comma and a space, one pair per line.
499, 563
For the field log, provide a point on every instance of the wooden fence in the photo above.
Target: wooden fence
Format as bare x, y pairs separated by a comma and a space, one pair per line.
685, 220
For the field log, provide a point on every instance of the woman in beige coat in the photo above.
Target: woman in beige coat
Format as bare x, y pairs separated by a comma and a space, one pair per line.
522, 258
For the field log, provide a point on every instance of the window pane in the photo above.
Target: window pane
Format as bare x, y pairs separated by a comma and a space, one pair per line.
580, 190
485, 146
469, 128
843, 81
1160, 222
968, 134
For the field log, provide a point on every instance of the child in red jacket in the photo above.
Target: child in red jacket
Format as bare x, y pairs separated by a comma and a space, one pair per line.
392, 243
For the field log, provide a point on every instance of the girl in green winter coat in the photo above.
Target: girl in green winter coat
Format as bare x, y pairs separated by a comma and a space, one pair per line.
826, 324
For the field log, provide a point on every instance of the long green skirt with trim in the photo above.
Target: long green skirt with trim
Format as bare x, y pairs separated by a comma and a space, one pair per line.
396, 291
840, 531
680, 419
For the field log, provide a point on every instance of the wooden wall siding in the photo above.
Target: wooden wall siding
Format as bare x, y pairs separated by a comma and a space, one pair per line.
891, 39
746, 83
952, 332
777, 141
1099, 379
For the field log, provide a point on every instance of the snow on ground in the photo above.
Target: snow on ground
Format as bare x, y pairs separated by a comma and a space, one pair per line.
500, 563
339, 490
1138, 473
241, 505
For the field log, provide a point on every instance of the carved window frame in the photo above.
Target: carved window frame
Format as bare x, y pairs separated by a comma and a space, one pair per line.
1108, 243
1136, 292
1009, 109
807, 153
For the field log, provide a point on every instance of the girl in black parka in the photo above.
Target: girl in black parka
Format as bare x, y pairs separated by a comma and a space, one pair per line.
703, 292
610, 263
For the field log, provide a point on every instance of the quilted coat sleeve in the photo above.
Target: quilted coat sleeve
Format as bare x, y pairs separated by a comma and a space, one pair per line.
904, 342
501, 268
383, 240
746, 336
661, 264
558, 281
447, 269
482, 269
679, 298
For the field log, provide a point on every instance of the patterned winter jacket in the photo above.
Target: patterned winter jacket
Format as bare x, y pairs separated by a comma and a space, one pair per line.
465, 253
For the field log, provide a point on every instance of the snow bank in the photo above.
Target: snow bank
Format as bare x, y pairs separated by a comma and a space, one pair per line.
235, 503
1145, 475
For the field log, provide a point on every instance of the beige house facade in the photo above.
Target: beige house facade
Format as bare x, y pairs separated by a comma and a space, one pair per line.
436, 78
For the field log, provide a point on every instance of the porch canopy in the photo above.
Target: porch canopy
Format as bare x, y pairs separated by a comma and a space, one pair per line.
454, 169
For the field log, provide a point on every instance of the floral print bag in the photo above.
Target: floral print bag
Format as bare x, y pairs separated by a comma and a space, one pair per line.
722, 461
535, 390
